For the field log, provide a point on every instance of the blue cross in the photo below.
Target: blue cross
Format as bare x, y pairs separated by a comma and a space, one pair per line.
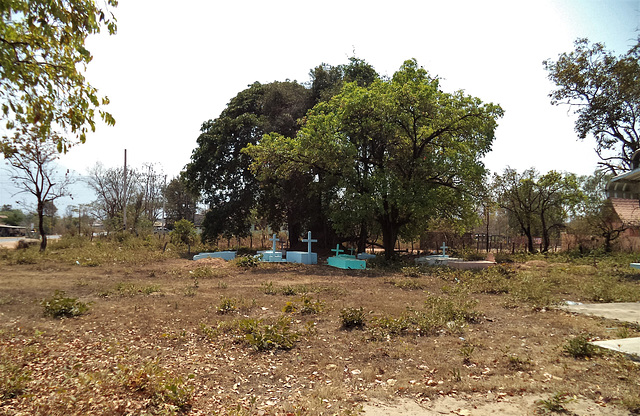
309, 240
337, 250
274, 239
444, 249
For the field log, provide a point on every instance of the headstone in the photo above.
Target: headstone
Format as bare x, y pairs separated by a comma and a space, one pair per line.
271, 256
444, 249
301, 256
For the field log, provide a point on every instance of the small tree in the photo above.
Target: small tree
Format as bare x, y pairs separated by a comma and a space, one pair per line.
183, 232
34, 171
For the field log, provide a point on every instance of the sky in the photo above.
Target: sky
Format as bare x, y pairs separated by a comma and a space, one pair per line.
170, 68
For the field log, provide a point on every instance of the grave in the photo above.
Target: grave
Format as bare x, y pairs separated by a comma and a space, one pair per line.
622, 311
365, 256
301, 256
226, 255
444, 260
437, 259
345, 261
271, 256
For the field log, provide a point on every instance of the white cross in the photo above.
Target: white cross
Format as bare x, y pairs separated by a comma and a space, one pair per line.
309, 240
274, 239
444, 249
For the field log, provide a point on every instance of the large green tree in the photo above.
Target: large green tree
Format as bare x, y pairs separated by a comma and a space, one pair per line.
221, 172
396, 153
604, 91
42, 59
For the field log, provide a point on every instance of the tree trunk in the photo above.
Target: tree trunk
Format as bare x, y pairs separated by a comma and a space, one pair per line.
389, 238
529, 241
43, 234
362, 238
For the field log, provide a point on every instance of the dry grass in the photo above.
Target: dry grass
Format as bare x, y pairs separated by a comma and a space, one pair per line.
155, 342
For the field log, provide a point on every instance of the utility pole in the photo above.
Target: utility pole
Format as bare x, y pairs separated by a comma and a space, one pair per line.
124, 193
164, 205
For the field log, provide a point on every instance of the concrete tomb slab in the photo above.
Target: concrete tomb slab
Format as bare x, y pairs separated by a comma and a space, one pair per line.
623, 311
226, 255
272, 256
345, 261
304, 257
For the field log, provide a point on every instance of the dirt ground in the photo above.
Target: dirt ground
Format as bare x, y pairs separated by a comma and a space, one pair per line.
176, 322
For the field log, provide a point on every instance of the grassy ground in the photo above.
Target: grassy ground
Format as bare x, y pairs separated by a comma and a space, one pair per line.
157, 334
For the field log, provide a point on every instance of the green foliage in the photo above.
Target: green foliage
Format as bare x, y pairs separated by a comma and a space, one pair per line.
58, 306
411, 271
603, 91
14, 216
183, 232
395, 133
270, 337
579, 347
42, 55
352, 318
247, 262
14, 378
537, 204
156, 383
227, 305
409, 284
555, 403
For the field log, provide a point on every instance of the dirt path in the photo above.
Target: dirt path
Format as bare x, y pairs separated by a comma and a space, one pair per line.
484, 405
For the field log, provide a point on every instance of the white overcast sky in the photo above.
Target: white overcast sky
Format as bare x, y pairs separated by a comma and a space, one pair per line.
174, 65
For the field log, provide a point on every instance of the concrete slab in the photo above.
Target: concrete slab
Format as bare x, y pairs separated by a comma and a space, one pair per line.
629, 346
625, 311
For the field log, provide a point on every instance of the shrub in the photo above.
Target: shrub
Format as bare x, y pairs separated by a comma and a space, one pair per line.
555, 403
409, 284
268, 289
13, 379
309, 306
270, 337
59, 306
246, 262
227, 305
579, 347
411, 271
352, 318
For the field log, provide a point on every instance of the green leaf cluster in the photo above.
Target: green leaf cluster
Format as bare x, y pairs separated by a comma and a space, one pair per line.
42, 59
390, 155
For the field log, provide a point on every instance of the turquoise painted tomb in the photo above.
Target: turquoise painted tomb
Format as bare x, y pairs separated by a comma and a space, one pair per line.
345, 261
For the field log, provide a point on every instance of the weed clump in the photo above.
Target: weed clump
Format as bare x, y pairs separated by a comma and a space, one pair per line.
269, 337
246, 262
352, 318
579, 347
58, 306
13, 379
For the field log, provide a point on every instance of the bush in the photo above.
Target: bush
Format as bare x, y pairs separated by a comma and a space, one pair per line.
246, 262
270, 337
13, 379
352, 318
59, 306
579, 347
227, 305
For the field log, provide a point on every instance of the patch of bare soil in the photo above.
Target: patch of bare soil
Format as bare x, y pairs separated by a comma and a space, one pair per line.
205, 337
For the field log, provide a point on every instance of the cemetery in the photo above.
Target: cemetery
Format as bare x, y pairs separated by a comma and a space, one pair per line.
335, 246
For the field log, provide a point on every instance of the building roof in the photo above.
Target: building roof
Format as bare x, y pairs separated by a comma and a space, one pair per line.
627, 209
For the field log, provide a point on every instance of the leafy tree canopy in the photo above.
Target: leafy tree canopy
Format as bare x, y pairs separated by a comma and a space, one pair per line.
604, 91
42, 57
396, 153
